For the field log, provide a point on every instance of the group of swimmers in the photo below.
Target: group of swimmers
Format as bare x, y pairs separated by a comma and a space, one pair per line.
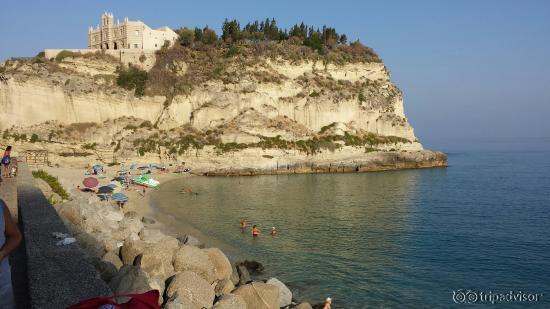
255, 229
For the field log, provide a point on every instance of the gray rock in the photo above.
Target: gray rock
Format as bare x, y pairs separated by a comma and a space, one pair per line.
192, 288
259, 295
234, 275
131, 223
71, 213
303, 306
148, 220
107, 271
244, 275
112, 258
190, 241
190, 258
156, 258
230, 301
285, 295
151, 235
176, 302
222, 267
223, 287
130, 279
90, 244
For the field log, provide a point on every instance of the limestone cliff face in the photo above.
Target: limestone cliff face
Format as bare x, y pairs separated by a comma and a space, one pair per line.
86, 92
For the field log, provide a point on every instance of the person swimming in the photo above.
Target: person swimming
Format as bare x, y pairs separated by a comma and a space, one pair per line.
242, 224
273, 231
255, 231
328, 303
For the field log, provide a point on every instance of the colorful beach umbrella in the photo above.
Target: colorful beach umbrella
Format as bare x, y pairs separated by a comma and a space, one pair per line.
105, 190
90, 182
119, 196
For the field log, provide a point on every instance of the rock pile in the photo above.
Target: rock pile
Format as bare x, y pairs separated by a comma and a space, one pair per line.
134, 258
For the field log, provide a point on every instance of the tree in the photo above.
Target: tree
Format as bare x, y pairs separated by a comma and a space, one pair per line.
186, 36
198, 34
231, 30
34, 138
209, 36
343, 39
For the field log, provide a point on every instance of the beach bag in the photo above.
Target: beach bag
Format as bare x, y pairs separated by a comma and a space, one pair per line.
148, 300
6, 160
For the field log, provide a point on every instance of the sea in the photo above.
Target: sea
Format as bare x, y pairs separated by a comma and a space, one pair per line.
477, 231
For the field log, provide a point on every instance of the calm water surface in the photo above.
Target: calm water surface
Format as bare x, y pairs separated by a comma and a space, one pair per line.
389, 239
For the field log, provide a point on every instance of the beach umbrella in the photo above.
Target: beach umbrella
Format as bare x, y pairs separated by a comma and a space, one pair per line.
90, 182
119, 196
105, 190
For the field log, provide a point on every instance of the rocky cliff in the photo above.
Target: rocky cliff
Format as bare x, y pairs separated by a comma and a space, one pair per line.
207, 103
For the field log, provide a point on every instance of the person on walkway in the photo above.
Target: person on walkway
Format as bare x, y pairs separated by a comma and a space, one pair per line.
10, 237
328, 303
255, 231
6, 160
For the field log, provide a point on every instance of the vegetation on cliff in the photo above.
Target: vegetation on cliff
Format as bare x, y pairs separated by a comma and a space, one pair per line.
53, 182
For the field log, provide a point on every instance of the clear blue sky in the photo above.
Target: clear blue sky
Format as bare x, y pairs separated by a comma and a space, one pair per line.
468, 69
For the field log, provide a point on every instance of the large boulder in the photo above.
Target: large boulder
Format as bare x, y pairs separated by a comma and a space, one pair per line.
259, 295
131, 222
303, 306
71, 213
176, 302
151, 235
244, 275
234, 275
230, 301
112, 258
107, 271
130, 279
223, 287
190, 241
190, 258
156, 258
90, 244
222, 267
190, 287
285, 295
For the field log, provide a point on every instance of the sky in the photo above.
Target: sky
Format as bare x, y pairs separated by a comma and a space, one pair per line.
470, 69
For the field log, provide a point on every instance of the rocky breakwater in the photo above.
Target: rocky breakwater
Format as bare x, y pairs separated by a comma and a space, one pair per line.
134, 257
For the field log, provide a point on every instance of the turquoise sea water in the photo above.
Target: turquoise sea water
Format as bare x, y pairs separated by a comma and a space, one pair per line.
393, 239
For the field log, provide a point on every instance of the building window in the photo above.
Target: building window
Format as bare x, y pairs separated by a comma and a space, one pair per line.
128, 45
155, 45
137, 32
135, 46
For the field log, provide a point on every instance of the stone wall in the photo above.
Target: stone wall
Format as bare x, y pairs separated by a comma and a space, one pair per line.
57, 276
125, 56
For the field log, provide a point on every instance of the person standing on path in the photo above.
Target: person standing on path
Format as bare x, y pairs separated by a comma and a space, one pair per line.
10, 237
6, 160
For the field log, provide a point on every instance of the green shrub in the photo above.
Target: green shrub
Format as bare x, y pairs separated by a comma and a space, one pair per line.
34, 138
132, 78
233, 50
90, 146
64, 54
186, 36
53, 182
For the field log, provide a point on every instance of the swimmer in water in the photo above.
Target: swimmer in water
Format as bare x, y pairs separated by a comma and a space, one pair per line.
328, 303
273, 231
255, 231
242, 224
